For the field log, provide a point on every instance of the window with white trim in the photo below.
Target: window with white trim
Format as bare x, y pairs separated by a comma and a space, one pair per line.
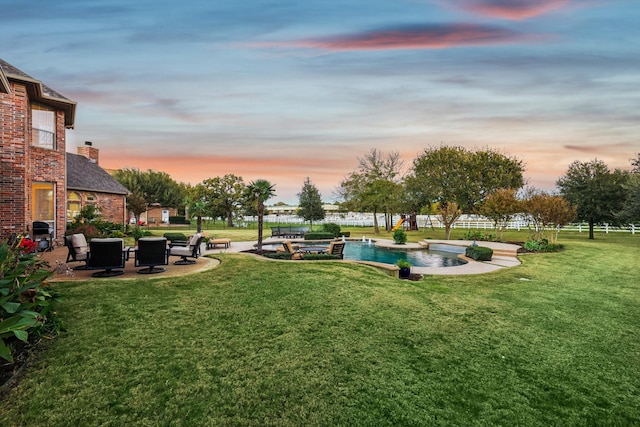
43, 123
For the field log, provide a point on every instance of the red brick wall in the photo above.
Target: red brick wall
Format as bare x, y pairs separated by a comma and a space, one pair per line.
23, 164
111, 206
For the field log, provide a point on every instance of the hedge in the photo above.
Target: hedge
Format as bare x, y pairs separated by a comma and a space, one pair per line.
479, 253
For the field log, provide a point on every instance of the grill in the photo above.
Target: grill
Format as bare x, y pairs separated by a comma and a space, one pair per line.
41, 230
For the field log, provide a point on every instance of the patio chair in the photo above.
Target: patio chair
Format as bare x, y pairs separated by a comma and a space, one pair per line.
151, 252
290, 249
336, 248
185, 252
109, 255
78, 249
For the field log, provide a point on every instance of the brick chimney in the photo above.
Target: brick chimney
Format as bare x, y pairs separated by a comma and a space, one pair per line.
89, 152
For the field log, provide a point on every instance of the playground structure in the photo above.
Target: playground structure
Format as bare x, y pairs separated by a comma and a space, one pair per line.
409, 224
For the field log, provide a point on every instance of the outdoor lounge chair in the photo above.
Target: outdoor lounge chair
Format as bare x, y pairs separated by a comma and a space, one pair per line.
151, 252
109, 255
185, 252
336, 248
290, 249
78, 249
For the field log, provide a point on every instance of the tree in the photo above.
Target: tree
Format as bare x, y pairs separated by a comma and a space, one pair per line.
631, 209
198, 209
257, 193
547, 212
597, 193
223, 195
136, 204
373, 186
310, 203
153, 186
447, 174
448, 213
500, 206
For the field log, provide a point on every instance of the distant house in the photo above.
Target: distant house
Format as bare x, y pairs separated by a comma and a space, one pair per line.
89, 184
32, 153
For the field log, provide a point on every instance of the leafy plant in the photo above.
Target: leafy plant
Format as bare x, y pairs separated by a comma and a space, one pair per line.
26, 302
479, 253
542, 245
318, 235
479, 235
332, 228
137, 233
400, 236
403, 263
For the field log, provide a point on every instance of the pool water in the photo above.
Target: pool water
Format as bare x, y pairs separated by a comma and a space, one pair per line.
417, 258
364, 251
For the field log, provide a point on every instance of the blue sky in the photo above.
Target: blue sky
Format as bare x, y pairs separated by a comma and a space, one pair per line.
282, 90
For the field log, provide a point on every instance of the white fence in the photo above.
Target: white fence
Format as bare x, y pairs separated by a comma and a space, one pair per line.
354, 219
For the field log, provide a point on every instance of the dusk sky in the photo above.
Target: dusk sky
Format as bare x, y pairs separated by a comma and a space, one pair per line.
282, 90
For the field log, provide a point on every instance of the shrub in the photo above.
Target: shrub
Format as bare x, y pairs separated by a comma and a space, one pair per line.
26, 302
400, 236
88, 230
332, 228
178, 220
175, 237
318, 235
542, 245
317, 257
117, 234
403, 263
479, 253
277, 255
479, 235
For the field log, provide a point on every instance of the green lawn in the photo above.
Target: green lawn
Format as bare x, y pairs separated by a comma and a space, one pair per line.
555, 341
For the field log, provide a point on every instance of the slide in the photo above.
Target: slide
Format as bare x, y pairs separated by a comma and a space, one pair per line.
398, 224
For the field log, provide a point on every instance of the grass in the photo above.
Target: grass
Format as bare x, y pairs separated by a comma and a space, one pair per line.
555, 341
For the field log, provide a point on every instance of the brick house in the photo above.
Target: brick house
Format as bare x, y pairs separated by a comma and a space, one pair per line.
34, 118
88, 183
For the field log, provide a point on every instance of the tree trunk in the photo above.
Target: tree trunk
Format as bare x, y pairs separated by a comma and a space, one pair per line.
229, 219
260, 219
591, 230
376, 228
199, 224
447, 232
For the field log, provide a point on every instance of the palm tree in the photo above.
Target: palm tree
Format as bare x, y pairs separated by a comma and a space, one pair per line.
258, 192
198, 209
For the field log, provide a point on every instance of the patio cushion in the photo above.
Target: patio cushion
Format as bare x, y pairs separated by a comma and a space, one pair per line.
79, 243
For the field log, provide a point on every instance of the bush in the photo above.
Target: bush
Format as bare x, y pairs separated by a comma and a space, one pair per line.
479, 253
277, 255
179, 220
88, 230
542, 245
480, 236
175, 237
26, 301
332, 228
117, 234
400, 236
318, 257
318, 235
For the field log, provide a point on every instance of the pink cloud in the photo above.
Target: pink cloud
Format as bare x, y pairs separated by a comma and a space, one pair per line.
437, 36
510, 9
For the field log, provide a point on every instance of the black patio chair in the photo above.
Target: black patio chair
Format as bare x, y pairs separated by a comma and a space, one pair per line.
151, 252
109, 255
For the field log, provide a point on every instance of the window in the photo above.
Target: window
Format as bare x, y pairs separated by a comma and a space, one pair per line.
73, 205
43, 122
43, 203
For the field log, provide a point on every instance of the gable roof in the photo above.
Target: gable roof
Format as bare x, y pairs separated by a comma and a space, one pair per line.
37, 91
85, 175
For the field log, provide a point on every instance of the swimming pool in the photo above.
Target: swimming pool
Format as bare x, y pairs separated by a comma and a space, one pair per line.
364, 251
